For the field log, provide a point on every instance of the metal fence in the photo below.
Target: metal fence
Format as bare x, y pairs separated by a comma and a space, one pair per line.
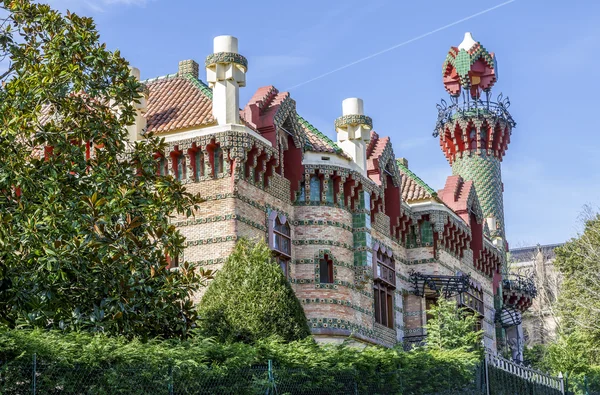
495, 375
33, 376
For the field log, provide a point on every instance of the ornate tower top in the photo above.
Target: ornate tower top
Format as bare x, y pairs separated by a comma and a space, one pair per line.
470, 67
474, 131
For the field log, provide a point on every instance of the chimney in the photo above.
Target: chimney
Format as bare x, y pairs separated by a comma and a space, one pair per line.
226, 73
354, 131
138, 128
188, 67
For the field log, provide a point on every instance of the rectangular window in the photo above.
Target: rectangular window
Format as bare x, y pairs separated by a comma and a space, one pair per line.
329, 192
426, 233
199, 164
315, 189
377, 306
180, 167
218, 161
390, 311
163, 165
326, 271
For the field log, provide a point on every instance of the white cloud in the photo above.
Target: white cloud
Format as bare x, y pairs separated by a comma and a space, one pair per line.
93, 5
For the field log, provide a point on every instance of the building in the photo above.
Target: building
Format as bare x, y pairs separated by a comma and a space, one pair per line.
540, 323
366, 243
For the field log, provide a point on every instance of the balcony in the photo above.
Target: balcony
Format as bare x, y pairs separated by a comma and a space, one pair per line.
518, 291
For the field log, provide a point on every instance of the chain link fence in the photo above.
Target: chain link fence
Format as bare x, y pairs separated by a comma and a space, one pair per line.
33, 376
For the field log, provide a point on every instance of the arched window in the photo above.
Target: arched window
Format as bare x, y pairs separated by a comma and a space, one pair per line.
280, 240
198, 164
218, 161
325, 270
315, 189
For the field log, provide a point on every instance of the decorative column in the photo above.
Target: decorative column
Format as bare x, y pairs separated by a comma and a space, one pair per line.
226, 73
136, 130
354, 131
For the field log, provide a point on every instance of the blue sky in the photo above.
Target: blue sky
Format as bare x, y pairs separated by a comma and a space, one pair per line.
547, 51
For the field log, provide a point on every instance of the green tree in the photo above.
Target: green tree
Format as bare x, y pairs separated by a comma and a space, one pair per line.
579, 299
251, 299
451, 327
83, 237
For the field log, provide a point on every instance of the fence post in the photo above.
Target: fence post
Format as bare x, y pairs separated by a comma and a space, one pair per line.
585, 384
34, 378
170, 385
487, 376
271, 379
561, 382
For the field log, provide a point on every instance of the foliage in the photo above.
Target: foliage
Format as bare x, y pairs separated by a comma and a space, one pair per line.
83, 237
309, 367
536, 356
579, 262
251, 299
451, 327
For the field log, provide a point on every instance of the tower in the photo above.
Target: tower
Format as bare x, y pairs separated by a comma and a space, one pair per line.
474, 134
474, 131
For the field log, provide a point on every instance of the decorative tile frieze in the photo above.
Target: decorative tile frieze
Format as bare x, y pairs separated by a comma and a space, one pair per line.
323, 242
219, 218
339, 302
309, 222
335, 323
213, 240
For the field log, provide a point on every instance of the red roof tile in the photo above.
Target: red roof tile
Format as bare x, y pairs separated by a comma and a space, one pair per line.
413, 188
178, 102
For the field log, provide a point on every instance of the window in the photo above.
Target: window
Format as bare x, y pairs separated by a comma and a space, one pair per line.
426, 233
218, 161
472, 299
198, 164
325, 270
384, 284
315, 189
180, 167
280, 240
329, 192
302, 192
163, 166
172, 262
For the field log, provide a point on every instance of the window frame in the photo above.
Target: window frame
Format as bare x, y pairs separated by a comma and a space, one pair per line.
276, 236
327, 263
384, 285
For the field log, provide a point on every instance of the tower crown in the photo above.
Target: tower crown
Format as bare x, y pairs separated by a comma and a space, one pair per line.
470, 67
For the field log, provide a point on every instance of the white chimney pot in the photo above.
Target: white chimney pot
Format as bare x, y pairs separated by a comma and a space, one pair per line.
352, 106
134, 72
225, 44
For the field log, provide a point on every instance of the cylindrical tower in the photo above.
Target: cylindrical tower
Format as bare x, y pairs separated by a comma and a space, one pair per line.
474, 131
474, 134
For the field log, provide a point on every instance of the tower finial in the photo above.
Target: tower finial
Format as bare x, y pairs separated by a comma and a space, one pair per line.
467, 42
470, 67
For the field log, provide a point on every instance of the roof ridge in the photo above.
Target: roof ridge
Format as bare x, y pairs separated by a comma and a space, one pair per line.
316, 131
198, 83
159, 78
416, 178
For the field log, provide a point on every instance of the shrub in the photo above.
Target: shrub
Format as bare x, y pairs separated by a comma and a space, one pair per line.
251, 299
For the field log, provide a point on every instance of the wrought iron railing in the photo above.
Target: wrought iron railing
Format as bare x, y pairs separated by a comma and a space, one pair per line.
520, 283
468, 107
